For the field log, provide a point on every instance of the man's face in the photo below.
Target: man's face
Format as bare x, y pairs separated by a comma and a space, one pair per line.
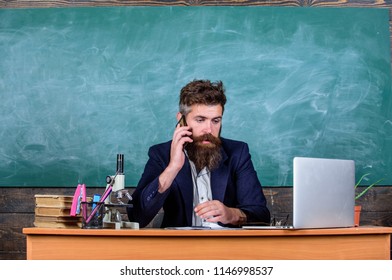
205, 122
204, 119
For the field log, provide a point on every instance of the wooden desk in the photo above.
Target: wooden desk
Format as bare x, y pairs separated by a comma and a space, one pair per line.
144, 244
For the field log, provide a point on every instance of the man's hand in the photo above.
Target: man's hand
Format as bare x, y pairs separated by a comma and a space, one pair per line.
215, 211
181, 136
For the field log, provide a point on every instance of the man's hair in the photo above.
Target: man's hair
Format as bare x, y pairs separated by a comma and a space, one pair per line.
202, 92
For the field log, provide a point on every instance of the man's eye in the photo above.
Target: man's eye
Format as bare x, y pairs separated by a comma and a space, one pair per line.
216, 121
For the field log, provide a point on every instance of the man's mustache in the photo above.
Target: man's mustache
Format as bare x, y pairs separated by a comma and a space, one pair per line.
207, 137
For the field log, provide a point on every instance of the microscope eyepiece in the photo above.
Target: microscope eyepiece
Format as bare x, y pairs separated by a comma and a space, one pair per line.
120, 163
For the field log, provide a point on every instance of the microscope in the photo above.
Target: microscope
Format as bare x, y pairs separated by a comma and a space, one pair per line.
119, 197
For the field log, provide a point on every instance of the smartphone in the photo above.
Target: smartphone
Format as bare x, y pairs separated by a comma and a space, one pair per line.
182, 121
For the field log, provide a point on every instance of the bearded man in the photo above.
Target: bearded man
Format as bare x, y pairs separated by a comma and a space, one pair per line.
199, 178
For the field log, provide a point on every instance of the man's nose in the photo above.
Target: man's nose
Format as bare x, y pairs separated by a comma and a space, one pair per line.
207, 127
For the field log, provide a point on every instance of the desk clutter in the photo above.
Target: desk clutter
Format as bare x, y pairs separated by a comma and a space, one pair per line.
106, 210
53, 211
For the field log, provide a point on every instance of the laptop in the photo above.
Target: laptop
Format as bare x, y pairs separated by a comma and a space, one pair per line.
323, 194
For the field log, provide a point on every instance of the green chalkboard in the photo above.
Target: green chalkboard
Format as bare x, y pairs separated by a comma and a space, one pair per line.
80, 85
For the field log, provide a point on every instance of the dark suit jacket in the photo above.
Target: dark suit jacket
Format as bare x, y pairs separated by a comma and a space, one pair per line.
234, 182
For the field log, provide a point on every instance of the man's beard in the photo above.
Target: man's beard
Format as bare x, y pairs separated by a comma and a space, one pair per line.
205, 155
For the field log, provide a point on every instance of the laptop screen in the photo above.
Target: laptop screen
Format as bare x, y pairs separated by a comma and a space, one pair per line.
323, 192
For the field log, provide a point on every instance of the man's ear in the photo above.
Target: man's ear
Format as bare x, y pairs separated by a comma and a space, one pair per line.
179, 115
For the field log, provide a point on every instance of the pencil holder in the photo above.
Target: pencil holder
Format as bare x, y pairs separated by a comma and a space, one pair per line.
92, 214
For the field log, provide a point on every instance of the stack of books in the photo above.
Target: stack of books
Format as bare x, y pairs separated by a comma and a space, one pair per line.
53, 211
